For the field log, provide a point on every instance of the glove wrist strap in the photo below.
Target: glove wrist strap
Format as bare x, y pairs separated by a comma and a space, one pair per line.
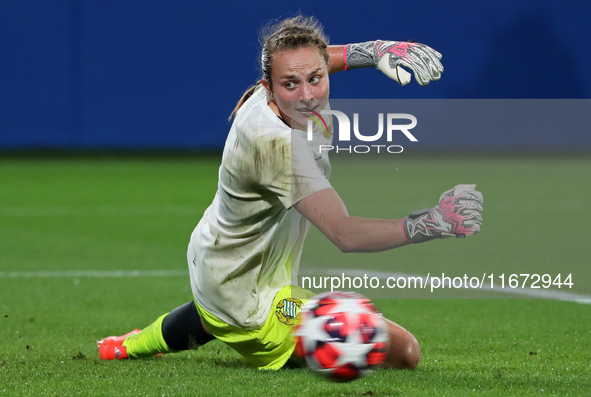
360, 55
415, 229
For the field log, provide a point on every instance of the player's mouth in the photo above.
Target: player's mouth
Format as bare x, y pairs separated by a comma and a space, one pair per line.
308, 111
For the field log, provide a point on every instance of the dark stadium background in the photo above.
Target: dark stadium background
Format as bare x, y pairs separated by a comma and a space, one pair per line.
136, 75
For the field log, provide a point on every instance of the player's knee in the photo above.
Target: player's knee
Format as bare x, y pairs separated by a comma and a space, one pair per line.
405, 352
412, 354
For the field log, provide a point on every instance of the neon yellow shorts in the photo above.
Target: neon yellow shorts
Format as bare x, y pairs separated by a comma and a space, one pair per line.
270, 346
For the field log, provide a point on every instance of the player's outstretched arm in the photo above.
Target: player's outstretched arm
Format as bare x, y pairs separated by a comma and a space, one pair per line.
459, 213
389, 57
326, 210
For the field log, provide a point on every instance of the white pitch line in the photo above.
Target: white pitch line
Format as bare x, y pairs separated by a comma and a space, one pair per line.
94, 273
57, 211
537, 293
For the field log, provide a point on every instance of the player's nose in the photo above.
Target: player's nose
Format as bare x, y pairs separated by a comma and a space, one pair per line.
307, 94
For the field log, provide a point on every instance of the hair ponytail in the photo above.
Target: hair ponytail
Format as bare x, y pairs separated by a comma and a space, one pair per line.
247, 94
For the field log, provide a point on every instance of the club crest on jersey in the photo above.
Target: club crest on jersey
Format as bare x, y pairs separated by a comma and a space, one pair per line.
288, 310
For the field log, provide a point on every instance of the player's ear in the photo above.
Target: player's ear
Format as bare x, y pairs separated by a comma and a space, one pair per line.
267, 87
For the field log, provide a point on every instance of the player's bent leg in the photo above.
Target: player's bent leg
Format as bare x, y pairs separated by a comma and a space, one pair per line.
180, 329
404, 352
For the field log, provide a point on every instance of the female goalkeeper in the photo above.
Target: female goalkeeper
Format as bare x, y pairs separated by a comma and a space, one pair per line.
274, 183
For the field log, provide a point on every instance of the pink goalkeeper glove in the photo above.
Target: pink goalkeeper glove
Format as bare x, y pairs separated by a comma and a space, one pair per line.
459, 213
388, 56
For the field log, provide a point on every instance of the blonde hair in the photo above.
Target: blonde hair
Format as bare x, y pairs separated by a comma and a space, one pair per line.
289, 34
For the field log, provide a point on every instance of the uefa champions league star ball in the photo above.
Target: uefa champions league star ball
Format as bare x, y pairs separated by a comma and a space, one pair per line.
341, 335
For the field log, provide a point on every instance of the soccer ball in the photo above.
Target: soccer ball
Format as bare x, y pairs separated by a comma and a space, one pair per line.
341, 335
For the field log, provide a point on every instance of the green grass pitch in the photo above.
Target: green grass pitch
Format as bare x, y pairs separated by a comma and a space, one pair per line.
63, 218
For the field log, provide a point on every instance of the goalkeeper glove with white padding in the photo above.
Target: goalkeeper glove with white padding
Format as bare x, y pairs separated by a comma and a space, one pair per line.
459, 213
388, 56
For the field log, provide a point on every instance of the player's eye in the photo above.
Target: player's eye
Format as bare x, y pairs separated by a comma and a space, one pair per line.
289, 84
315, 79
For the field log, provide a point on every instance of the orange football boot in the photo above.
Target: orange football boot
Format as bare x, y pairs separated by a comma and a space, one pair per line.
111, 348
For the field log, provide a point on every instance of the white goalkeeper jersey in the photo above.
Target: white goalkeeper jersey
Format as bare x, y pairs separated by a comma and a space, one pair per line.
249, 242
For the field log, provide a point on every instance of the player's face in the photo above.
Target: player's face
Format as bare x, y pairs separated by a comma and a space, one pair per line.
300, 84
